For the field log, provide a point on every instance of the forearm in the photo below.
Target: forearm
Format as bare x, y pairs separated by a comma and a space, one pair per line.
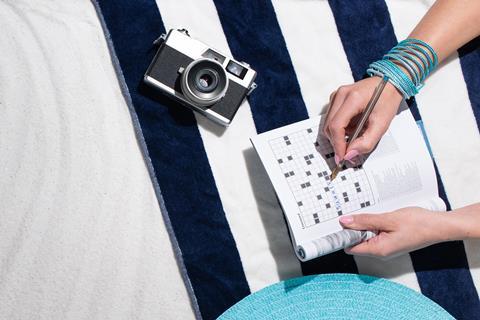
448, 25
459, 224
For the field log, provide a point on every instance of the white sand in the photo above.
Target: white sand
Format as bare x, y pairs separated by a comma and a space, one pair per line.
81, 234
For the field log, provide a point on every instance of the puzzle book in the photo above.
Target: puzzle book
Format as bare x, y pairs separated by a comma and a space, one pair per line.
299, 160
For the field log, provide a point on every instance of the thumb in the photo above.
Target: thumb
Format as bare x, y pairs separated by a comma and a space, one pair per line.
371, 222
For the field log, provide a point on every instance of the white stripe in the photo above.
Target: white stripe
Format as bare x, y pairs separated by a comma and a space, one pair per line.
315, 49
322, 66
450, 125
250, 205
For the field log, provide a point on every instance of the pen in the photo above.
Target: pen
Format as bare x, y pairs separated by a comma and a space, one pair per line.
368, 110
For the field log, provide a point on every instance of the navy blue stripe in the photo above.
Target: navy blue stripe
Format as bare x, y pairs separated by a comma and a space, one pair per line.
180, 163
254, 35
442, 271
470, 61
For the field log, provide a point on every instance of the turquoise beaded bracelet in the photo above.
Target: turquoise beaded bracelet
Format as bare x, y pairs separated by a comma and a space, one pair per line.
417, 57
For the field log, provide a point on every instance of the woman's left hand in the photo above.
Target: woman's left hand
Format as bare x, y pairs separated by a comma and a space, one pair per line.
398, 232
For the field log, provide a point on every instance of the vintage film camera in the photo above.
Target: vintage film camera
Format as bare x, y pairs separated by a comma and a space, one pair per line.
198, 76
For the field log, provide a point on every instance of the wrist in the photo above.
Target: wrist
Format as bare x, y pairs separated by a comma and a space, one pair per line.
450, 226
393, 92
390, 91
465, 222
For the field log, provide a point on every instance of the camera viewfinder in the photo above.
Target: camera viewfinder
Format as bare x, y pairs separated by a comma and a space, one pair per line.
210, 54
236, 69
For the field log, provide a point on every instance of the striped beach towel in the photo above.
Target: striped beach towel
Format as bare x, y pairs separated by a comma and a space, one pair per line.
225, 223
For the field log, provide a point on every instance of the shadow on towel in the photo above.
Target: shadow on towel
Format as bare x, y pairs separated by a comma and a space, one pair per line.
272, 217
182, 115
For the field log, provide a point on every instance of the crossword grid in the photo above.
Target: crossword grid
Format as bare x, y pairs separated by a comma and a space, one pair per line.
305, 164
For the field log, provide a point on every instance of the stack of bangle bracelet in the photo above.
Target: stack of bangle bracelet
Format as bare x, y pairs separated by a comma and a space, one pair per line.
415, 56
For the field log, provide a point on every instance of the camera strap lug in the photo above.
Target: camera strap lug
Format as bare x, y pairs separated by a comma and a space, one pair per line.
252, 87
162, 38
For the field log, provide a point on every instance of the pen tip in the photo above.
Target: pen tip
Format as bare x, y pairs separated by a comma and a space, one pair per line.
334, 174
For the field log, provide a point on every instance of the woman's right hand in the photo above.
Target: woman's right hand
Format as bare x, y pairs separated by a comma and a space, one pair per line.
346, 105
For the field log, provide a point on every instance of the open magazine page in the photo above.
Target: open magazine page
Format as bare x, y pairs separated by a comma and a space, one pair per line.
299, 161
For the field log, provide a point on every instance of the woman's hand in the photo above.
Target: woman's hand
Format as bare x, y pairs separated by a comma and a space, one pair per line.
399, 231
348, 102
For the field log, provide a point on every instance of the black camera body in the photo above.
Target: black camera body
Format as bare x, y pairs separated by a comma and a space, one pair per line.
201, 78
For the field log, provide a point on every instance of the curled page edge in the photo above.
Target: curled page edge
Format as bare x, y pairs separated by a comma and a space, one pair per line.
331, 243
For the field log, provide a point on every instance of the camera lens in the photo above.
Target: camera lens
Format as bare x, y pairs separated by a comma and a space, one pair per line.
204, 82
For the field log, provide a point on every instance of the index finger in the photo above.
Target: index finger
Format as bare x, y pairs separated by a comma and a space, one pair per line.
351, 107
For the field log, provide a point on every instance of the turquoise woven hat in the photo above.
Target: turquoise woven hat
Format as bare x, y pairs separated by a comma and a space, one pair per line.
336, 296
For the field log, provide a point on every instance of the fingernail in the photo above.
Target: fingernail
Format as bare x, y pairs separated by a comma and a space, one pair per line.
353, 161
337, 159
346, 219
351, 154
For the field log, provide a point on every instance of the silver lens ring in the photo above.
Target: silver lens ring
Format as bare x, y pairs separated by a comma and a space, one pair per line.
204, 82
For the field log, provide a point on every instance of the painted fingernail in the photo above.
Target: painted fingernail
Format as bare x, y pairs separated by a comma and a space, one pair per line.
351, 154
353, 161
337, 159
346, 220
